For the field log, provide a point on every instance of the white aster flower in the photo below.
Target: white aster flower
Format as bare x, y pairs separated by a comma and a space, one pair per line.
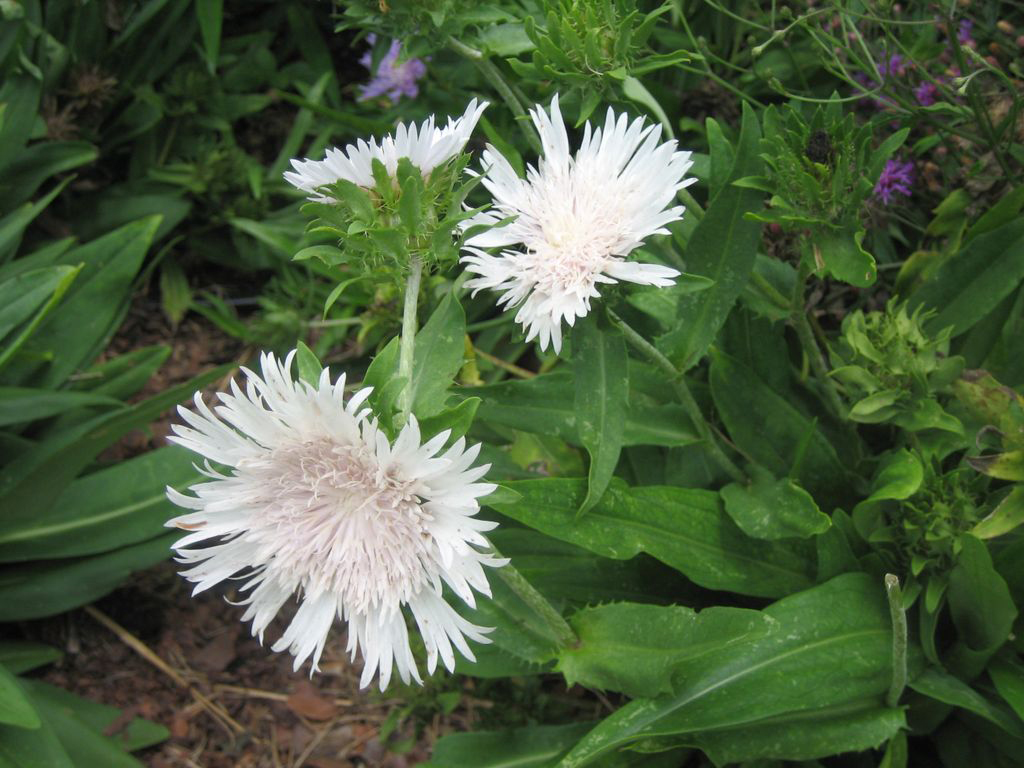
426, 146
318, 503
577, 217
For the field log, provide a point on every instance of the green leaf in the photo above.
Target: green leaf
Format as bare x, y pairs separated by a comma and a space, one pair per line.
1004, 518
942, 686
123, 376
536, 746
774, 509
438, 356
15, 707
899, 477
30, 296
518, 629
328, 254
636, 92
820, 733
81, 726
309, 364
572, 576
22, 656
971, 283
636, 649
19, 405
48, 588
458, 419
1002, 466
979, 600
210, 15
602, 397
31, 483
175, 292
843, 257
545, 405
722, 249
381, 373
79, 328
410, 181
13, 224
685, 529
36, 164
773, 432
837, 632
1004, 211
722, 156
123, 504
19, 93
36, 748
1008, 676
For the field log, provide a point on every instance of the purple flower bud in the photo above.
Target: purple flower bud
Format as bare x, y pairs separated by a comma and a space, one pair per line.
963, 32
897, 178
393, 79
926, 94
894, 66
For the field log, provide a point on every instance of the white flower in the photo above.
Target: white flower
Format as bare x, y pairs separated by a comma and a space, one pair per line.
426, 146
576, 219
318, 503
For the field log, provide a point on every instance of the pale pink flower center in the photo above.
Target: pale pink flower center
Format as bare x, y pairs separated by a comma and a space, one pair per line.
332, 520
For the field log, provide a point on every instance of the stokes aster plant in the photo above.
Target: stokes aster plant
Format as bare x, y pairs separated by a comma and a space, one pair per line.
763, 499
831, 524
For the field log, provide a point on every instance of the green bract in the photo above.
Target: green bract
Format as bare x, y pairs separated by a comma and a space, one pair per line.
595, 49
402, 217
822, 168
893, 370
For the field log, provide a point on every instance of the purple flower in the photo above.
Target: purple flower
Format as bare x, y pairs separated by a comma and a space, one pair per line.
963, 32
393, 79
926, 93
894, 66
897, 177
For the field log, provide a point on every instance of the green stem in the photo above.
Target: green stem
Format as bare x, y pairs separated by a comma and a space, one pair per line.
899, 639
497, 80
540, 605
494, 322
769, 291
810, 346
682, 391
408, 342
692, 206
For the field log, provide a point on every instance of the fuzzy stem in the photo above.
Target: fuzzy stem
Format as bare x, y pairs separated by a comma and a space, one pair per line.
540, 605
497, 80
408, 343
899, 639
678, 382
810, 346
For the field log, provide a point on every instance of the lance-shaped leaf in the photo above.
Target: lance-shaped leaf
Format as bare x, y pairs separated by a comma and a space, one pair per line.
722, 249
602, 397
971, 283
545, 405
830, 655
686, 529
767, 508
636, 648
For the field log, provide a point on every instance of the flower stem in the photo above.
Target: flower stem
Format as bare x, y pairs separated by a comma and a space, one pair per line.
678, 382
899, 639
810, 345
497, 80
408, 342
540, 605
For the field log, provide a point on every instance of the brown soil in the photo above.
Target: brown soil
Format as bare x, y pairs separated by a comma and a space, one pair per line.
197, 345
241, 706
